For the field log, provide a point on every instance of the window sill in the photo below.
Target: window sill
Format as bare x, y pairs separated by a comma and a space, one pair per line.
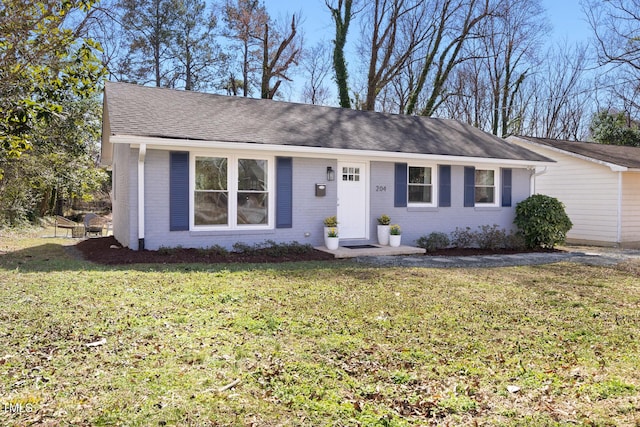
487, 208
231, 232
422, 209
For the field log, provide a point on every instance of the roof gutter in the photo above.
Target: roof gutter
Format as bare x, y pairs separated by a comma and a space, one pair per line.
306, 151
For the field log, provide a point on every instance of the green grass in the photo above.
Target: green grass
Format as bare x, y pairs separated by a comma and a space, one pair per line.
331, 343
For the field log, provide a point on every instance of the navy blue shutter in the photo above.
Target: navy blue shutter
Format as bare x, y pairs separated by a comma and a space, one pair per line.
178, 191
284, 192
444, 186
506, 187
400, 186
469, 186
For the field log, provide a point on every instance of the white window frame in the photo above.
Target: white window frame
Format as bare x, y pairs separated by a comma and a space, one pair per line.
434, 185
496, 186
232, 189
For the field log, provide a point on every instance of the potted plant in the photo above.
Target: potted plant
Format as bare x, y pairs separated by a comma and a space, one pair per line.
395, 234
330, 222
383, 229
331, 239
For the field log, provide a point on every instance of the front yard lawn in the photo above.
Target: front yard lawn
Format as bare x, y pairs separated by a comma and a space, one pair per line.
324, 343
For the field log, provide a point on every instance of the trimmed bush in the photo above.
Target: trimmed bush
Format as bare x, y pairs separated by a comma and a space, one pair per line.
542, 221
491, 237
464, 238
433, 241
515, 241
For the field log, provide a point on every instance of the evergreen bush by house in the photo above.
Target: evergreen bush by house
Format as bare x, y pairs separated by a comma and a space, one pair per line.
542, 221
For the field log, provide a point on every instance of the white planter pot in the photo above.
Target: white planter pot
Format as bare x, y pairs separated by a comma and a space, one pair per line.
326, 231
332, 243
383, 235
394, 240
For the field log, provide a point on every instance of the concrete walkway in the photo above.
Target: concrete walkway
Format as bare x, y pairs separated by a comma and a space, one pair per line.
584, 255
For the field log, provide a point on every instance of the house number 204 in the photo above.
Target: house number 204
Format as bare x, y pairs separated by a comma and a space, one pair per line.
381, 188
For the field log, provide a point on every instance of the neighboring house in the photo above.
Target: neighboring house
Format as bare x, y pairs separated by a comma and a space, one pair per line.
598, 184
196, 170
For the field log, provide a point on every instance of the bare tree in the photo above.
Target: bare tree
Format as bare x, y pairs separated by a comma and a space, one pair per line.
511, 42
316, 64
452, 24
563, 96
391, 31
280, 51
469, 94
616, 27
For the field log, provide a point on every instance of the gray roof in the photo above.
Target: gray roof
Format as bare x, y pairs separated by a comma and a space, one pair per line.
615, 154
166, 113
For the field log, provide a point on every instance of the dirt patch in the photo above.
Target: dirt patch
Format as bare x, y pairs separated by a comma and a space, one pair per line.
107, 250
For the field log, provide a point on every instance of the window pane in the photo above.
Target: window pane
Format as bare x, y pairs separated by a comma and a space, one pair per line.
350, 174
210, 208
484, 177
211, 173
252, 175
419, 194
419, 175
485, 195
252, 208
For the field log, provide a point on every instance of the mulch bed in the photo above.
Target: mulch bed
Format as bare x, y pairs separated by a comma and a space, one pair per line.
106, 250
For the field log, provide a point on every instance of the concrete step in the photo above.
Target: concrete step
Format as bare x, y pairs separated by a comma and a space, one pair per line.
371, 250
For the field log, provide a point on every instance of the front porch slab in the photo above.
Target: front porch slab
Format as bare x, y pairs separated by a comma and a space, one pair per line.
376, 250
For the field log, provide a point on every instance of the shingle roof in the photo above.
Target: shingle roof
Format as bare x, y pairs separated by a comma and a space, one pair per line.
615, 154
165, 113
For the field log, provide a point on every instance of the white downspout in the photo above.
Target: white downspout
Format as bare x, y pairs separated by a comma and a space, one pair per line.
141, 156
534, 175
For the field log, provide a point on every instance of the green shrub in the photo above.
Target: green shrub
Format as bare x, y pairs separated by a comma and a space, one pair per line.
243, 248
542, 221
272, 248
515, 241
433, 241
216, 250
464, 238
491, 237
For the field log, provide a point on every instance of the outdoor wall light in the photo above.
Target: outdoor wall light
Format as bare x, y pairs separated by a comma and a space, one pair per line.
331, 174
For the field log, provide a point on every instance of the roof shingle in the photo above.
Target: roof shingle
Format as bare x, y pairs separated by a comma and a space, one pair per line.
166, 113
615, 154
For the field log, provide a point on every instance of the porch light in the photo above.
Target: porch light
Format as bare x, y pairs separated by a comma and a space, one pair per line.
331, 174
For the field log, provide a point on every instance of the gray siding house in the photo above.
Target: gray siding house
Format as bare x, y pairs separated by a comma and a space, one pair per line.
195, 170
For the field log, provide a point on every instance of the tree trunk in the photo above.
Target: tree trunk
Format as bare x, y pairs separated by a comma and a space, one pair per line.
339, 62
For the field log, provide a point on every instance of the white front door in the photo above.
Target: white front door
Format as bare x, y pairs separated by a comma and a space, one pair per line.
352, 200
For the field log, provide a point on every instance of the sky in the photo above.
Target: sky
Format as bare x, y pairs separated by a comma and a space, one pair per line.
566, 16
